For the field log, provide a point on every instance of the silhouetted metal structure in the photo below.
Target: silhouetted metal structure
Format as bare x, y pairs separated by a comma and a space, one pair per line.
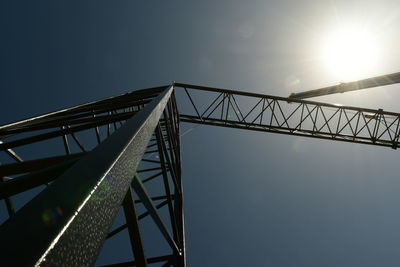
85, 184
351, 86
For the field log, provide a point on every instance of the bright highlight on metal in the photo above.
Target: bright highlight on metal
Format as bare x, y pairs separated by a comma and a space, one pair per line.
67, 223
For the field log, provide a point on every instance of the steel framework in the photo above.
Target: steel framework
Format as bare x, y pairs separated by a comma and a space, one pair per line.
135, 163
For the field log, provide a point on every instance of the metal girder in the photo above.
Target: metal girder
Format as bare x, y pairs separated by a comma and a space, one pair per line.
140, 217
64, 114
72, 216
350, 86
172, 200
25, 182
61, 132
33, 165
133, 229
143, 195
258, 112
165, 181
87, 197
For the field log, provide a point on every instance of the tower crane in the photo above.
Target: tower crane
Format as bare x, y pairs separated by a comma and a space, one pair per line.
96, 151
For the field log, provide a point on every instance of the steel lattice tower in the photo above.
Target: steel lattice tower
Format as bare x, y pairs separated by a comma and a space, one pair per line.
104, 164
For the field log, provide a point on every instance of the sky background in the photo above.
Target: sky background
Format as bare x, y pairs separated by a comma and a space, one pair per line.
251, 199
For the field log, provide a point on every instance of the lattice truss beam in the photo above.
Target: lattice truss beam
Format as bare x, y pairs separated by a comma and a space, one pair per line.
257, 112
82, 166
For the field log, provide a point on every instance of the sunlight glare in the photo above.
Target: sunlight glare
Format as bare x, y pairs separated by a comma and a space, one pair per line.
350, 54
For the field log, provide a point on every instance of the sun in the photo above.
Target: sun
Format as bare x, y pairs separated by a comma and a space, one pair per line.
350, 54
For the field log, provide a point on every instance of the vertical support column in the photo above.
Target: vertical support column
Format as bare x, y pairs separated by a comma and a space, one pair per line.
174, 160
66, 224
165, 179
65, 141
179, 203
96, 130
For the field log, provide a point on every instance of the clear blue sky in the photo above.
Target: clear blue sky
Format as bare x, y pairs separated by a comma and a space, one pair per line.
252, 199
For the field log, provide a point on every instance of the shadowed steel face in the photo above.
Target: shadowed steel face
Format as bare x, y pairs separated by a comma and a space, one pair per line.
67, 223
88, 195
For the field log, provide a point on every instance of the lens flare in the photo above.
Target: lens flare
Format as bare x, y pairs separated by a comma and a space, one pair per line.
292, 81
49, 216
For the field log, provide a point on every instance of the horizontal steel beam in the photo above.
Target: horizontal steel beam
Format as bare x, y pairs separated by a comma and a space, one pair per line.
25, 182
266, 113
139, 94
34, 165
286, 99
304, 133
350, 86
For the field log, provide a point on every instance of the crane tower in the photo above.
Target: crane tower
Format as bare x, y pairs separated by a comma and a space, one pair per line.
88, 161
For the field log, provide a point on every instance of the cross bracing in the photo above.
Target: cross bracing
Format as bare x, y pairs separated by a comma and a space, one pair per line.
85, 160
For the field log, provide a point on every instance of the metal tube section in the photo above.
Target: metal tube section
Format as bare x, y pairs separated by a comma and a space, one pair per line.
144, 197
12, 154
33, 179
66, 224
351, 86
140, 217
165, 180
65, 141
60, 114
286, 99
133, 229
304, 133
34, 165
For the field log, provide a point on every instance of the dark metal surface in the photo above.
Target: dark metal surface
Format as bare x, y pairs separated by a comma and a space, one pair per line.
34, 179
161, 172
133, 229
82, 110
68, 222
144, 196
88, 195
